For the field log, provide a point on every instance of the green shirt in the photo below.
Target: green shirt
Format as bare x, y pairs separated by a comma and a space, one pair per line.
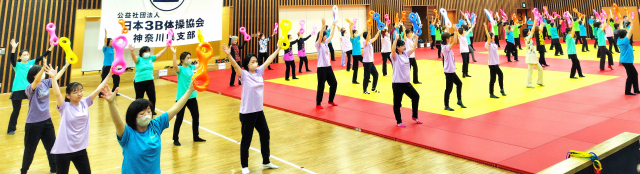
184, 80
516, 31
144, 69
20, 81
575, 26
438, 35
495, 30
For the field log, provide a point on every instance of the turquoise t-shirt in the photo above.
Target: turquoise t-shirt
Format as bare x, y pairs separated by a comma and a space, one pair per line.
355, 43
432, 28
554, 32
22, 69
144, 69
184, 80
571, 45
108, 56
583, 29
601, 38
510, 38
470, 33
529, 24
626, 51
469, 41
141, 150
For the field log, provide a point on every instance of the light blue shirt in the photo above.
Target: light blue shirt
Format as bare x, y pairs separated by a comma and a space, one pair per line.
355, 43
571, 45
432, 28
108, 56
626, 51
510, 38
141, 150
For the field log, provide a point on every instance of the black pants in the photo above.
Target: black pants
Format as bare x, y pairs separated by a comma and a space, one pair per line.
414, 66
249, 122
333, 58
595, 44
452, 78
465, 63
385, 57
116, 78
192, 104
13, 120
262, 57
291, 66
603, 53
149, 87
511, 50
305, 61
556, 43
369, 70
399, 89
585, 46
495, 71
612, 43
433, 41
497, 40
575, 65
517, 43
356, 59
34, 132
471, 42
348, 60
80, 159
439, 46
325, 74
632, 78
577, 33
542, 59
232, 81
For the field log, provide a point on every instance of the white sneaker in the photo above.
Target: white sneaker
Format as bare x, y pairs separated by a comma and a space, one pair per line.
270, 166
245, 170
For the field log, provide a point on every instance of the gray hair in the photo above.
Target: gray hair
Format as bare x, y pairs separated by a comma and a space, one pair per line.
234, 37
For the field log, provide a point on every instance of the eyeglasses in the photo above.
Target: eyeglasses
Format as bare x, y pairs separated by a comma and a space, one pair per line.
78, 92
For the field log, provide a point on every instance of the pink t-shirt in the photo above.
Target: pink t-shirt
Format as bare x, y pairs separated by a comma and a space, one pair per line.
608, 32
367, 56
494, 59
449, 60
252, 91
73, 132
323, 54
401, 68
464, 46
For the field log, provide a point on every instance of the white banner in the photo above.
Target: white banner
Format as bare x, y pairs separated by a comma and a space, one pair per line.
148, 21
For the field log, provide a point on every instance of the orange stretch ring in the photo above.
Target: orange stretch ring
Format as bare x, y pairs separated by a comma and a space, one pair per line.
397, 19
370, 19
125, 30
404, 16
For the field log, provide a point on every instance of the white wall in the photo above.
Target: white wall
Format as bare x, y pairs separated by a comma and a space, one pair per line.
313, 16
92, 58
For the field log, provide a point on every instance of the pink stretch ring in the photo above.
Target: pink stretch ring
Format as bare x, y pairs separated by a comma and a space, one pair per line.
243, 30
53, 39
119, 65
170, 37
386, 17
302, 22
275, 28
355, 22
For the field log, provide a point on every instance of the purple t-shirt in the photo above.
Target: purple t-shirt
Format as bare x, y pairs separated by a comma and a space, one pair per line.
367, 55
449, 60
73, 132
401, 70
494, 59
252, 91
38, 102
323, 54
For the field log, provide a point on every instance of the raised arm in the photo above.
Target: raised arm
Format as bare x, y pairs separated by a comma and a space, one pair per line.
393, 45
162, 51
414, 46
375, 37
175, 62
115, 114
12, 55
243, 42
271, 57
322, 33
180, 103
486, 32
37, 79
630, 30
46, 53
105, 38
133, 55
333, 31
95, 93
54, 84
234, 64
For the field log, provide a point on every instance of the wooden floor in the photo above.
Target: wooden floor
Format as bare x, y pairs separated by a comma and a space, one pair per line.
315, 145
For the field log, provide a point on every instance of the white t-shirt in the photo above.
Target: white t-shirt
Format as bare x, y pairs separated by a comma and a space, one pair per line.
367, 55
408, 43
464, 46
346, 41
386, 45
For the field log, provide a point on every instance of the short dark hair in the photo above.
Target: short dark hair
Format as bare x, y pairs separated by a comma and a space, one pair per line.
621, 33
491, 34
445, 36
144, 49
408, 31
245, 62
135, 107
21, 52
465, 27
460, 30
399, 44
597, 24
72, 87
568, 29
33, 71
183, 55
109, 40
364, 35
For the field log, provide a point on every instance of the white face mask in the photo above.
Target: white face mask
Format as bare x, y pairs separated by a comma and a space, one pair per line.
143, 121
186, 61
24, 58
146, 55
